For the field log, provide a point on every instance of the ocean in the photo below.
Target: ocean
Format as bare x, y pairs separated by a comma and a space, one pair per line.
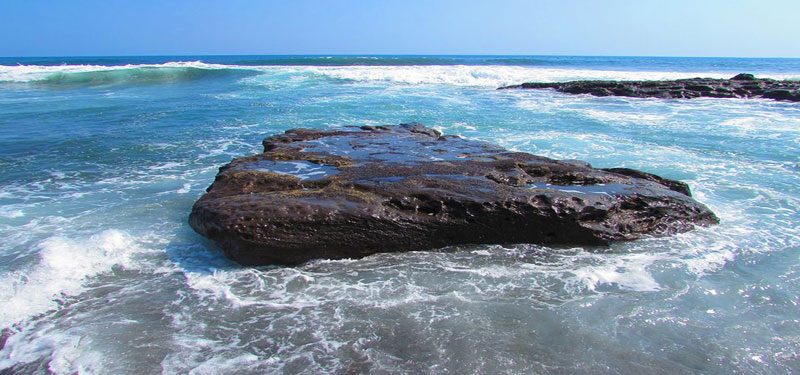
101, 159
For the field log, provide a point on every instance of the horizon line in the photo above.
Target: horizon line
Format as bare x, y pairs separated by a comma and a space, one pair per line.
394, 55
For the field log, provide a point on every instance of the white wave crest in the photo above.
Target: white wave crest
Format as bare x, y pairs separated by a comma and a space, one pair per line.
457, 75
34, 73
491, 76
64, 266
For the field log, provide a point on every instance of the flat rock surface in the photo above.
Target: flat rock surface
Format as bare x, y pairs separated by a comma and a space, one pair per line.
353, 192
741, 86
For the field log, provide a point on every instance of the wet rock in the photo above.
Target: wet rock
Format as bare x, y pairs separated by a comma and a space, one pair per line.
353, 192
744, 77
743, 85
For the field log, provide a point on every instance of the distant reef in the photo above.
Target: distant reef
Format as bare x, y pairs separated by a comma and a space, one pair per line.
351, 192
741, 86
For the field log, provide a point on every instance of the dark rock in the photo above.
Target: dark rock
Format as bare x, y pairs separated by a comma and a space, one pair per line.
741, 86
358, 191
782, 94
679, 186
744, 77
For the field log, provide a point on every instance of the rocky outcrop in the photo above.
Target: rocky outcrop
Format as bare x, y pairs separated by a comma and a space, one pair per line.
741, 86
353, 192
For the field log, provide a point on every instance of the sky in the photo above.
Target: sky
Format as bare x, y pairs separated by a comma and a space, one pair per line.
732, 28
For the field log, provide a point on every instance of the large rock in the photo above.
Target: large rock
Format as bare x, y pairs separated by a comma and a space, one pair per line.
358, 191
741, 86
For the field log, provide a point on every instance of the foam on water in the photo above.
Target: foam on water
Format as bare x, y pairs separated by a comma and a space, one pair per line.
64, 265
489, 76
66, 353
627, 272
11, 212
458, 75
480, 76
151, 296
289, 303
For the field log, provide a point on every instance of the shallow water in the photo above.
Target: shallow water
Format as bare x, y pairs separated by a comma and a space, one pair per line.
100, 272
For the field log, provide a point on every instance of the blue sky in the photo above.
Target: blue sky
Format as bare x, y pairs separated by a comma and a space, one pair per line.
767, 28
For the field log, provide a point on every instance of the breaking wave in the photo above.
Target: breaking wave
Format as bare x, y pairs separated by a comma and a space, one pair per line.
64, 265
98, 75
458, 75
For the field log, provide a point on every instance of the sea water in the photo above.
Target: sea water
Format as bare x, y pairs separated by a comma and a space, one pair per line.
102, 158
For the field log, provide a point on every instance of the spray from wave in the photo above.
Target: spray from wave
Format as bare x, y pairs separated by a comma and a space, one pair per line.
64, 266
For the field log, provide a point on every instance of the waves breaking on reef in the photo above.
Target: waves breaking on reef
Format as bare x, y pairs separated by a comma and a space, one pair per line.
460, 75
100, 272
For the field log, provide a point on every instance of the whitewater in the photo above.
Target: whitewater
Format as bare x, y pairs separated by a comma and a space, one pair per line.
101, 160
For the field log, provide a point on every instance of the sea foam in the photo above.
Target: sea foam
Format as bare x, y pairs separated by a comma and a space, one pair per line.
491, 76
457, 75
485, 308
64, 265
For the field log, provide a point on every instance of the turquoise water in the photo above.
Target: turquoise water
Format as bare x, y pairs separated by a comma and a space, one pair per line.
102, 158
